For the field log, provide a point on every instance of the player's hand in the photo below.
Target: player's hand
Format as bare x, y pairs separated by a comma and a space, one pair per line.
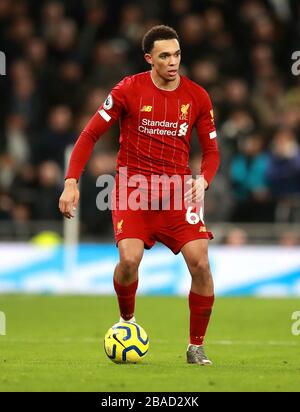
196, 193
68, 201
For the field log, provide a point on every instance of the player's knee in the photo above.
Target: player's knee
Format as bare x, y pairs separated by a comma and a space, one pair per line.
129, 264
201, 269
202, 277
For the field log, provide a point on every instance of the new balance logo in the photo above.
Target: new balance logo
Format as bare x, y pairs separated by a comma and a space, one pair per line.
183, 129
146, 109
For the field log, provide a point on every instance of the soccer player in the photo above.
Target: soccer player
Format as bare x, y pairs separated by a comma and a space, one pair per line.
157, 111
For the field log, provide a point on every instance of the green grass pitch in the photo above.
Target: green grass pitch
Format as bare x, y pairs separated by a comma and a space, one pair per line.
55, 343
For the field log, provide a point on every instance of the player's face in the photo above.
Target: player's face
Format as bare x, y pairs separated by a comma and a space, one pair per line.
165, 59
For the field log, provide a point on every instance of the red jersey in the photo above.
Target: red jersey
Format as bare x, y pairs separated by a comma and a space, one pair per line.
155, 128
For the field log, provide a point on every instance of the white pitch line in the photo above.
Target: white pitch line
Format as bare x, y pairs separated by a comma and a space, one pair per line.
157, 341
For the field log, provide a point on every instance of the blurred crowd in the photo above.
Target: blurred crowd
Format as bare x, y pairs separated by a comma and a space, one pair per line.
64, 56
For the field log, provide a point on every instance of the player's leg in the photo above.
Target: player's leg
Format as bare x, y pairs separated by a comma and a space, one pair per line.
201, 297
126, 275
195, 254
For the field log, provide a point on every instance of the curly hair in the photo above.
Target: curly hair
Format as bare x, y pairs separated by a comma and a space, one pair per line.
161, 32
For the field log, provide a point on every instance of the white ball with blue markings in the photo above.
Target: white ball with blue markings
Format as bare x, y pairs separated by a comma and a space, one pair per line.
126, 342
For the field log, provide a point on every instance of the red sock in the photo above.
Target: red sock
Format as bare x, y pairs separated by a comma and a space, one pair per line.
126, 299
200, 311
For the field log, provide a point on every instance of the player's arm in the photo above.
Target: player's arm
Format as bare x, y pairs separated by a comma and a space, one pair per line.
103, 119
207, 136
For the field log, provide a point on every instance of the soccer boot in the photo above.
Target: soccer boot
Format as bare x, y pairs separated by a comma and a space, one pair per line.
195, 354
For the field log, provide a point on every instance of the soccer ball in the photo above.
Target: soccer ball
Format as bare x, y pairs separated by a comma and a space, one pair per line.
126, 342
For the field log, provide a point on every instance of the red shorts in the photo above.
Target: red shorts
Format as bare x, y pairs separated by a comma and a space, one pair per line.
169, 227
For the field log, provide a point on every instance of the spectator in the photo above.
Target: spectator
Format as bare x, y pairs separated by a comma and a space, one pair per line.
93, 220
283, 174
56, 137
284, 167
236, 237
289, 239
48, 190
249, 183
